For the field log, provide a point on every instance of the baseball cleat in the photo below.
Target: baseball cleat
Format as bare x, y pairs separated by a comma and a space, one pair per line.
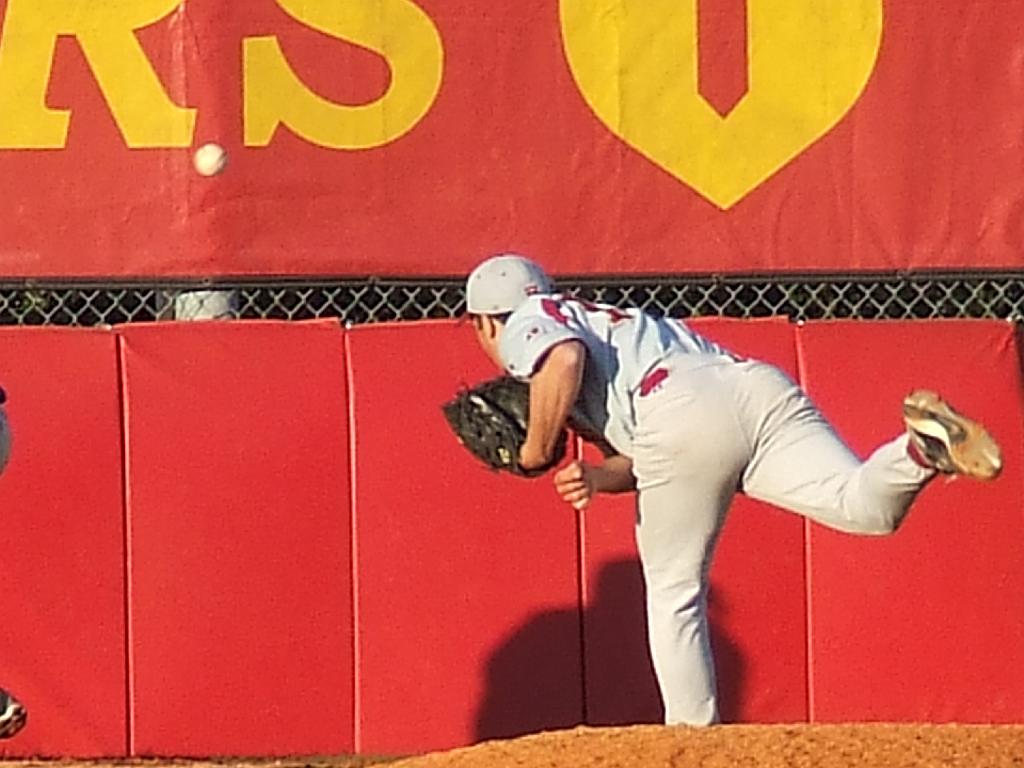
12, 715
948, 441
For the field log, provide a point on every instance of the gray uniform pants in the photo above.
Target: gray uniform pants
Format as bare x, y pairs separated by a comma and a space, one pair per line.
715, 426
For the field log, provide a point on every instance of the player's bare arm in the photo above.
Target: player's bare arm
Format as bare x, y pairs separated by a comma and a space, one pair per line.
580, 481
554, 387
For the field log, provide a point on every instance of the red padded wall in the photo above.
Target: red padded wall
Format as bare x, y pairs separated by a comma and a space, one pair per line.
928, 624
238, 514
62, 614
467, 601
757, 601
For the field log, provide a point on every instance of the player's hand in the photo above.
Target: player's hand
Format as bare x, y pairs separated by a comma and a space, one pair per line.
575, 484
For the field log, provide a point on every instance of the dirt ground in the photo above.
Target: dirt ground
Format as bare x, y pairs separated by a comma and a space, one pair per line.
745, 746
651, 746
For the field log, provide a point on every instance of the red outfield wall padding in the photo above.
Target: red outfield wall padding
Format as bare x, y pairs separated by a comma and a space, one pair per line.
467, 604
62, 614
757, 597
926, 625
238, 514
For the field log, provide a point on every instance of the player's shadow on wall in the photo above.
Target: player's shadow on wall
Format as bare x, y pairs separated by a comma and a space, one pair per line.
533, 681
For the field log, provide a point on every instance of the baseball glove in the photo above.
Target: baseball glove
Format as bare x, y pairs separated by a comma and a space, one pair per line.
490, 420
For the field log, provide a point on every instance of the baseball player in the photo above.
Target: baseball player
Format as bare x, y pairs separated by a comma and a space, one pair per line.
686, 424
12, 712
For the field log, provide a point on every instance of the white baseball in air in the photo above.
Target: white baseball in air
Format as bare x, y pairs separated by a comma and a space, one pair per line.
210, 159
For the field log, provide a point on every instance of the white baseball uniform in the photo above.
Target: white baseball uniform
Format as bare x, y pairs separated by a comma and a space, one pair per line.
700, 424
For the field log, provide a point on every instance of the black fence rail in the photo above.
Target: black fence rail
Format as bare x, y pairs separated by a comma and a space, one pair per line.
369, 300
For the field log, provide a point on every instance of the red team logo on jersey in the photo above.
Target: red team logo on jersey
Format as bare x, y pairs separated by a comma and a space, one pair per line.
557, 312
652, 381
554, 310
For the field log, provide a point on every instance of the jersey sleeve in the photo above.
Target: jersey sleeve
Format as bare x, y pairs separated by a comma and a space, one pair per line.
528, 337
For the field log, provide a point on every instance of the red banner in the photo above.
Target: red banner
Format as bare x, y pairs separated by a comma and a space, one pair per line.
394, 137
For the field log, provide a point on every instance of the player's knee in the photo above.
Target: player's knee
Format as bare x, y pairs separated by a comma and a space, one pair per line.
867, 521
879, 524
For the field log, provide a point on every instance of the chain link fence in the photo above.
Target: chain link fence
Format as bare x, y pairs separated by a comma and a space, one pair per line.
800, 297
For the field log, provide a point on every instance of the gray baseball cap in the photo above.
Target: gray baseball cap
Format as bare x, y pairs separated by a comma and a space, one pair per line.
502, 283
